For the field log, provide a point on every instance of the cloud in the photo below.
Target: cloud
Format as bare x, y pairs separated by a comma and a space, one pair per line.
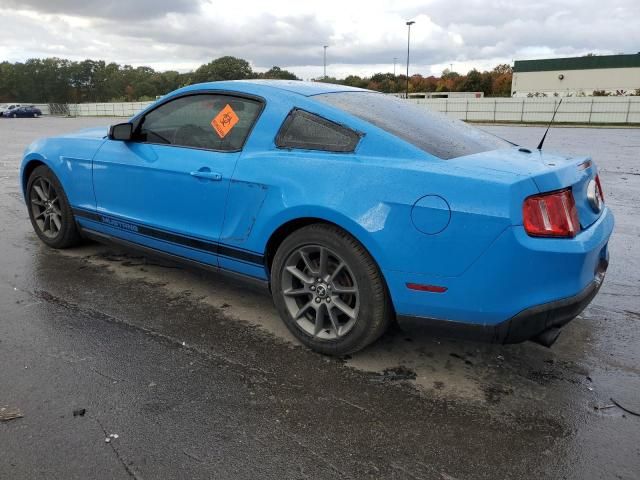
265, 39
122, 10
363, 37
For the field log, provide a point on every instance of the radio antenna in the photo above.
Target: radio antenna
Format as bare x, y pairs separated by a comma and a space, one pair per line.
549, 126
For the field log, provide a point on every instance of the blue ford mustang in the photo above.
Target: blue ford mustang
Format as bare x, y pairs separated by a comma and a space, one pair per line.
355, 208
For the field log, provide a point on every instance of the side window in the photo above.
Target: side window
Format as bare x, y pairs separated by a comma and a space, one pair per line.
306, 130
213, 122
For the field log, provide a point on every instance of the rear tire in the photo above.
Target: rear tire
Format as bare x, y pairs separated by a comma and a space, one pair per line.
329, 291
49, 210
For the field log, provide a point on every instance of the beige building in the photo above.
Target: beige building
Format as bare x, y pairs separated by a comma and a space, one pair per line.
576, 76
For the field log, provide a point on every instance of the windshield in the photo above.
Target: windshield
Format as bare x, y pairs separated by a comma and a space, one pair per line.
430, 131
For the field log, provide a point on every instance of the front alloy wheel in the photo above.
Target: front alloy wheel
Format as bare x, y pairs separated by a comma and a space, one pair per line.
45, 207
49, 210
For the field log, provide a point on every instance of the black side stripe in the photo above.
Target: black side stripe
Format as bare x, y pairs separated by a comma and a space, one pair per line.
195, 243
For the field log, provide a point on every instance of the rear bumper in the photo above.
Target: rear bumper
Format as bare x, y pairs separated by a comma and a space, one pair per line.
517, 272
535, 320
526, 325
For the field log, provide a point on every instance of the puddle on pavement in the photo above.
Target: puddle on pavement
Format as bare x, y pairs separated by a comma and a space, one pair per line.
439, 366
238, 301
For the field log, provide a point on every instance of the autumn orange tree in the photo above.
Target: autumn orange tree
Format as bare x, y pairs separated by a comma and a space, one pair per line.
496, 82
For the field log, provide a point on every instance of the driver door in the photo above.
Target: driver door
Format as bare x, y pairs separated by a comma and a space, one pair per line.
166, 189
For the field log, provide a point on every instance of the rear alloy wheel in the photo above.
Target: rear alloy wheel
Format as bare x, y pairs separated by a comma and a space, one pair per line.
49, 210
329, 290
321, 293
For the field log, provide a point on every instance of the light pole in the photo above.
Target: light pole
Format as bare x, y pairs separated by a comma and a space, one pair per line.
409, 23
395, 59
325, 60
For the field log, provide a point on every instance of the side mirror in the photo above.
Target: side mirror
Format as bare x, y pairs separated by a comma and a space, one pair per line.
121, 131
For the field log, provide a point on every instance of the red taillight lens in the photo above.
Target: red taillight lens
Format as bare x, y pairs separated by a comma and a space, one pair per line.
551, 215
599, 188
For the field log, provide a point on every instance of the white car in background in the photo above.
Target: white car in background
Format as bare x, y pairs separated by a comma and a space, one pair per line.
8, 107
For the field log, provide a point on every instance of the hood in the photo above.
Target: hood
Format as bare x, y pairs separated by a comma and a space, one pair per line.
95, 132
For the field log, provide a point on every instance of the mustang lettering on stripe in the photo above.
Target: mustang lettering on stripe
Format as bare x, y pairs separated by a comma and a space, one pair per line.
119, 224
176, 238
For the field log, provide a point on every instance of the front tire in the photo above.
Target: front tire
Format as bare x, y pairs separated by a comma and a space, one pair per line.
49, 210
329, 291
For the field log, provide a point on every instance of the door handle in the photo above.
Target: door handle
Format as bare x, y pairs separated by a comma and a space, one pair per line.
207, 174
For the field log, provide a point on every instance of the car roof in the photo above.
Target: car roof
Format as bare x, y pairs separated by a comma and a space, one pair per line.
306, 89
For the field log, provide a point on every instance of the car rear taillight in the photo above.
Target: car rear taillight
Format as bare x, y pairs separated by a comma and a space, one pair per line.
551, 215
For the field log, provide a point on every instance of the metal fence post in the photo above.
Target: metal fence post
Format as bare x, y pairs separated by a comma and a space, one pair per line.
466, 111
628, 110
522, 112
590, 111
495, 104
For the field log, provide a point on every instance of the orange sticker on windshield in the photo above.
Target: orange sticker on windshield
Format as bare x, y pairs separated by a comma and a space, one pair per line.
224, 121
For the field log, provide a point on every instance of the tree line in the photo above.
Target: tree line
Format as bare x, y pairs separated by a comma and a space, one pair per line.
496, 82
56, 80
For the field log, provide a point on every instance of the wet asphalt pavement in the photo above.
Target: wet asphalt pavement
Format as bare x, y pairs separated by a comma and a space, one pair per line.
198, 378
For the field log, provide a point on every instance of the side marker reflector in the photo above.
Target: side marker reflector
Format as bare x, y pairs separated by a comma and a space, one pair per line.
426, 288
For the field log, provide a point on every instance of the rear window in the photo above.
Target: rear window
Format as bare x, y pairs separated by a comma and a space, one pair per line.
308, 131
430, 131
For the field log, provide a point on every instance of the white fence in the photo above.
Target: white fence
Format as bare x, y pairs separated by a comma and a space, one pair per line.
622, 110
613, 110
124, 109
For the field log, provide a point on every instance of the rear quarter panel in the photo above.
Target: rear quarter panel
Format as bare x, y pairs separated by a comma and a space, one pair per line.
370, 194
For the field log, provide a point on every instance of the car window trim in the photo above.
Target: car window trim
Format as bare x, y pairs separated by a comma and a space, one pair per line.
321, 117
137, 121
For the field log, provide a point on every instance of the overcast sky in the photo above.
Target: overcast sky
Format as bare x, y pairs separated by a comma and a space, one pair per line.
363, 36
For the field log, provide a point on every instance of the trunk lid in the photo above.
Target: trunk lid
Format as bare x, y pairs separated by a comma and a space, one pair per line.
549, 171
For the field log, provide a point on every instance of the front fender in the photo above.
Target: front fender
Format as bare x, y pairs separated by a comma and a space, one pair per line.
71, 162
32, 157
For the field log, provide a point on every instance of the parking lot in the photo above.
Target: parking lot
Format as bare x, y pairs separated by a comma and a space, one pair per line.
198, 378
